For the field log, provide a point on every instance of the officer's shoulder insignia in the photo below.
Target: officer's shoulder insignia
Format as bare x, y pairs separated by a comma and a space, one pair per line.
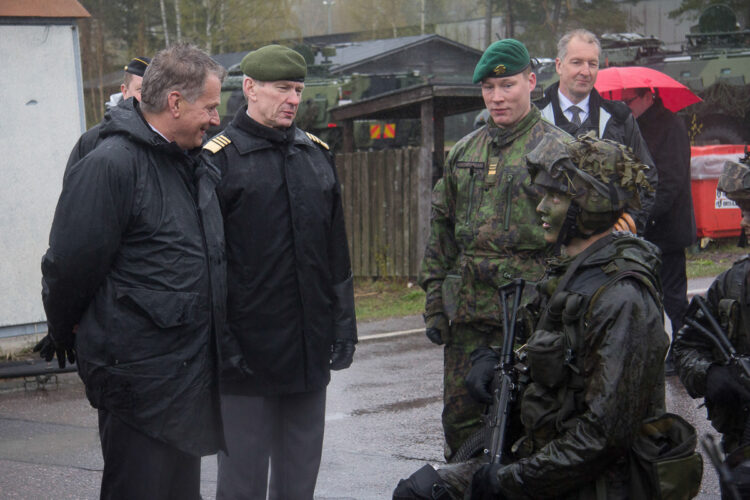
316, 140
217, 143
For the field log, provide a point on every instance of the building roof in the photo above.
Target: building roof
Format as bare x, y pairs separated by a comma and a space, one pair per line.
229, 59
352, 54
450, 99
42, 8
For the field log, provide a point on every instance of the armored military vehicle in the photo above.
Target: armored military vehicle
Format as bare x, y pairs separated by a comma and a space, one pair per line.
714, 63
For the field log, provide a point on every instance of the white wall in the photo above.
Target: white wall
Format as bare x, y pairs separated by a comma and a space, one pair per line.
41, 117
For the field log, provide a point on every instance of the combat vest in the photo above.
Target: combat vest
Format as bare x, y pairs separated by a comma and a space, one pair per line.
553, 351
734, 308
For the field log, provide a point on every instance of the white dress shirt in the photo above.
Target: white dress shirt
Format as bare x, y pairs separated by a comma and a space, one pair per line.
565, 105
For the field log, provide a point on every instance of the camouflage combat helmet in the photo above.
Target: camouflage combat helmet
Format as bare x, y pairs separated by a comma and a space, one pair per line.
602, 177
735, 180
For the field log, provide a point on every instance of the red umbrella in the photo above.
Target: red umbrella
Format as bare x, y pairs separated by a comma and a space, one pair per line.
610, 82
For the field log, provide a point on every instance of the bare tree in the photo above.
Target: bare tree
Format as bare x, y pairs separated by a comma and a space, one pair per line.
209, 24
509, 31
178, 20
164, 22
487, 23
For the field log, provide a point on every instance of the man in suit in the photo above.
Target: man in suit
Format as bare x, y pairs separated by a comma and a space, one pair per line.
575, 106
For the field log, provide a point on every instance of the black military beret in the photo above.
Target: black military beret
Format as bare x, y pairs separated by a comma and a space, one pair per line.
274, 62
138, 65
503, 58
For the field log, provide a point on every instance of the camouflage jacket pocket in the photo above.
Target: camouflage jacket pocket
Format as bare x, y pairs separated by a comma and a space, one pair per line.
451, 289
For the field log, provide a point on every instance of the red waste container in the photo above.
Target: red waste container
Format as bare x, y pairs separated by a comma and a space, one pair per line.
716, 216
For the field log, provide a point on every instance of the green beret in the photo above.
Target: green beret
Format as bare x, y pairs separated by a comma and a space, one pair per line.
274, 62
503, 58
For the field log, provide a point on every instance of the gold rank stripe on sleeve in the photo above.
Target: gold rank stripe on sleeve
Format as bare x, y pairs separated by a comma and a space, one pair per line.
316, 140
218, 142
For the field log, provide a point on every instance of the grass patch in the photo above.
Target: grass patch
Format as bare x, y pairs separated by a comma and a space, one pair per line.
717, 257
387, 298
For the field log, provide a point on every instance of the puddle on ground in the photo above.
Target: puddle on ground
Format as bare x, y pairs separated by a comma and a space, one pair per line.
399, 406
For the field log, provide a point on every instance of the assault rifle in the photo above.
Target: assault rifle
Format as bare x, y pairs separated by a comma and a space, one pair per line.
740, 365
505, 384
728, 487
490, 439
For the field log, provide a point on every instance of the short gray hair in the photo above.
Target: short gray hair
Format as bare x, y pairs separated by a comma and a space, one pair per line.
585, 35
182, 68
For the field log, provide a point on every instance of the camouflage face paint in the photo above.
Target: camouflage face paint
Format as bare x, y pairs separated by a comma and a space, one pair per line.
552, 210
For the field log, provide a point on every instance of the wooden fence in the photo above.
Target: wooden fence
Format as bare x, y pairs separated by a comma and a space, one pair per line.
381, 205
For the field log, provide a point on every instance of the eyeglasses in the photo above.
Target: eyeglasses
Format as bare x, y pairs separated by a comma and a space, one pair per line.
628, 101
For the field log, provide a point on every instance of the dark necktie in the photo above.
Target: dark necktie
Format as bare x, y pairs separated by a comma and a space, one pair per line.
575, 110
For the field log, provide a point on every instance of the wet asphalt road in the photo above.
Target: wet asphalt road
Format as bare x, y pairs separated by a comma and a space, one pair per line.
383, 423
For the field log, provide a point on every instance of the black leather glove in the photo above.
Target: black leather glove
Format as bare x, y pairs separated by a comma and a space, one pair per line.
48, 349
723, 388
342, 354
425, 483
739, 466
485, 485
436, 328
479, 379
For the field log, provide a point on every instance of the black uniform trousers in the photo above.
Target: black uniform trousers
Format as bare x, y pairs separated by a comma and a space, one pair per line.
287, 429
138, 466
674, 284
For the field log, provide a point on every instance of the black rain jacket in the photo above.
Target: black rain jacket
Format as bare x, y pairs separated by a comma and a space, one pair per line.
136, 260
91, 138
290, 289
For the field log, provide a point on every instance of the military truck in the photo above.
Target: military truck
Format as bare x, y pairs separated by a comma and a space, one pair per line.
323, 92
714, 63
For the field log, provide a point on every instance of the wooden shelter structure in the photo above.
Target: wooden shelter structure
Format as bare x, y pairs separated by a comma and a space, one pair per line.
430, 103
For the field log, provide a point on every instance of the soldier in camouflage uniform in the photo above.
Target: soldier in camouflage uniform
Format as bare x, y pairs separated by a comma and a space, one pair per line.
484, 230
700, 366
596, 356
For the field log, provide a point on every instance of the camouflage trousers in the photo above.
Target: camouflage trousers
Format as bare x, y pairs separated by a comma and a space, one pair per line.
461, 413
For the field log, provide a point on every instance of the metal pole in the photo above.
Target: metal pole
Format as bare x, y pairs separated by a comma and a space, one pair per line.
329, 4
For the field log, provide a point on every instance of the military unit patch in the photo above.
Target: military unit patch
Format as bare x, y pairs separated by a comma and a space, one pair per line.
218, 142
317, 140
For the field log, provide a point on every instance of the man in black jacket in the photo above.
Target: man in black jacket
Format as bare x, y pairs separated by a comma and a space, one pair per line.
291, 301
130, 87
671, 225
135, 281
575, 106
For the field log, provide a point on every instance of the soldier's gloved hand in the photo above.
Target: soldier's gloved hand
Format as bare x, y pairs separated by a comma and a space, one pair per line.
723, 388
485, 485
342, 354
425, 483
739, 466
626, 223
48, 349
479, 379
436, 328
